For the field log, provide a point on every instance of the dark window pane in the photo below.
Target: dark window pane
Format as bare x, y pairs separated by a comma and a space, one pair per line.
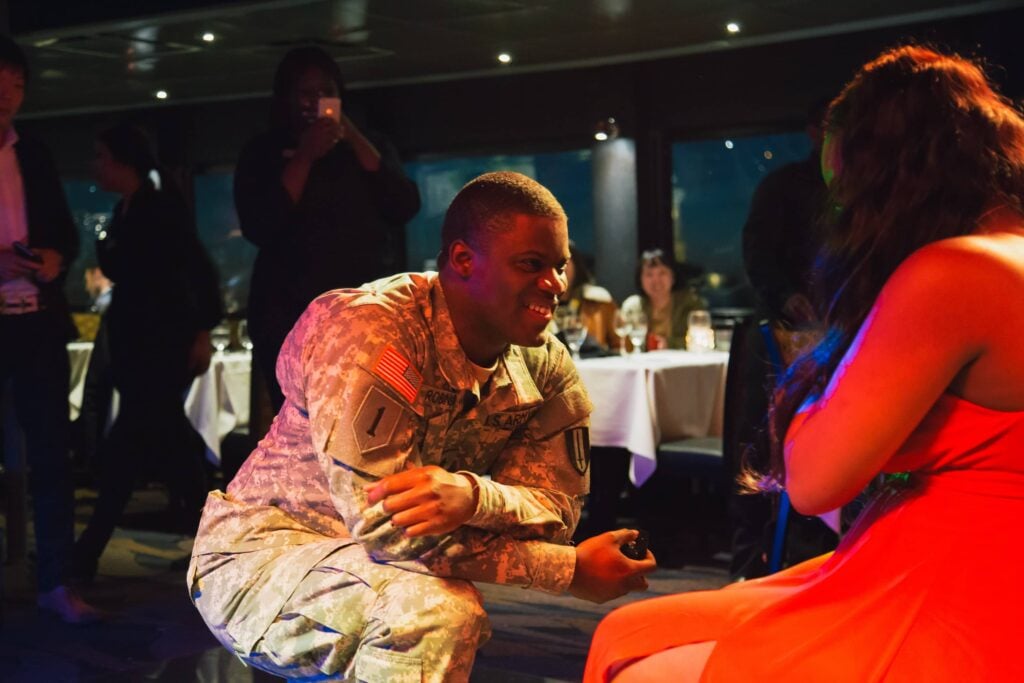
218, 229
566, 174
713, 182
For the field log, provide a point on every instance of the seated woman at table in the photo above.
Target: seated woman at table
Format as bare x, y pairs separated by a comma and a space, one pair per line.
594, 304
165, 301
918, 374
664, 298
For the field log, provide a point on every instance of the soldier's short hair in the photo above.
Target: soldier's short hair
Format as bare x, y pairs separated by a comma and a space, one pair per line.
487, 204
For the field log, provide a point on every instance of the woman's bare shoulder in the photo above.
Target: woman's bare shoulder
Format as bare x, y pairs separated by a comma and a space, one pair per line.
996, 258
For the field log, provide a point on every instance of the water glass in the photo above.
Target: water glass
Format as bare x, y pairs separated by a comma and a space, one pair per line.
243, 335
621, 329
637, 330
699, 334
573, 330
220, 337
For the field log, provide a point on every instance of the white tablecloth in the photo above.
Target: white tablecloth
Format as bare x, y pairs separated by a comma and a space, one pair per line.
216, 404
640, 401
78, 354
218, 401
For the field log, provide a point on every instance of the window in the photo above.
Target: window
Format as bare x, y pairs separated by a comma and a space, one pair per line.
712, 185
218, 228
566, 174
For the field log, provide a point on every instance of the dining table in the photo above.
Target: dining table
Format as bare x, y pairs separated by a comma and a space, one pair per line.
216, 404
643, 399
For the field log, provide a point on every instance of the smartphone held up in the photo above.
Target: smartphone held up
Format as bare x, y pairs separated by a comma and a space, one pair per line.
329, 108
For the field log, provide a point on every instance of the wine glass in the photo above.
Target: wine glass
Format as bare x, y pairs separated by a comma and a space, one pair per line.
243, 335
637, 330
220, 337
573, 330
621, 330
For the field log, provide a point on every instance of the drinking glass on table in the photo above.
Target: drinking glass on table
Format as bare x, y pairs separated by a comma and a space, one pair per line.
699, 334
572, 328
637, 330
621, 330
243, 335
220, 337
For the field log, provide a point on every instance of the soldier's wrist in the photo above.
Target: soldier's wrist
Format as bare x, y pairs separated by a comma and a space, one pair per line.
475, 489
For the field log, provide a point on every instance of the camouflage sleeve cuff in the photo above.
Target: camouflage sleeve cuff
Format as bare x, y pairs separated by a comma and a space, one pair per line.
552, 566
490, 505
522, 511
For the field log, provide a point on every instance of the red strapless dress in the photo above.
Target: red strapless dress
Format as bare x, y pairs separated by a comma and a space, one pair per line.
928, 585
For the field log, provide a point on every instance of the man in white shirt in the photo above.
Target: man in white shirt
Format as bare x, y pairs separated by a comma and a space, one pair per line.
35, 325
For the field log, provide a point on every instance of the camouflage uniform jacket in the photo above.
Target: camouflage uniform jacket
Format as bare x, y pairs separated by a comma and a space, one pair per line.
375, 380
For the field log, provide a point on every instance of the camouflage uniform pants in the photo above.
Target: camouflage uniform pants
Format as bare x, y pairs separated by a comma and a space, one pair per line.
351, 619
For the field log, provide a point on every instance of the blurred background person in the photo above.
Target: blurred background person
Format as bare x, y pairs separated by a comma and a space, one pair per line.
323, 200
98, 387
166, 299
591, 302
784, 231
35, 326
665, 298
99, 287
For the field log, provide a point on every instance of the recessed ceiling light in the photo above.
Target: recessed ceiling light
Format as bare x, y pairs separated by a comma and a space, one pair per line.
600, 136
732, 27
161, 94
728, 144
209, 37
504, 58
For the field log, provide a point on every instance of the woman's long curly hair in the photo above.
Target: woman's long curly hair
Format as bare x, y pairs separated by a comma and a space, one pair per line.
925, 147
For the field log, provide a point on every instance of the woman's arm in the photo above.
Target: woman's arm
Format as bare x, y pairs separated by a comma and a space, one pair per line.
931, 320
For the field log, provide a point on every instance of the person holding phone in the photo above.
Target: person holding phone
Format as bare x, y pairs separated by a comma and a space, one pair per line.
38, 240
323, 200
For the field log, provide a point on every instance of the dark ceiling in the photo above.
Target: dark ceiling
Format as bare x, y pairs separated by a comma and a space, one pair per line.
89, 56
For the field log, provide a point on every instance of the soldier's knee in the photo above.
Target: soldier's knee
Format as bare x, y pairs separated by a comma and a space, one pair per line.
415, 610
463, 612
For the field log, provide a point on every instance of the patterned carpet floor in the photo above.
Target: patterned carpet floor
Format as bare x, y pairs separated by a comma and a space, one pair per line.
153, 633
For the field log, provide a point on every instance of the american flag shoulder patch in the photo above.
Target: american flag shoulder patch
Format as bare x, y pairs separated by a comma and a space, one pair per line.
398, 373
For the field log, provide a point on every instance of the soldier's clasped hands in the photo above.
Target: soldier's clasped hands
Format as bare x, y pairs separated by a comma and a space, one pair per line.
425, 500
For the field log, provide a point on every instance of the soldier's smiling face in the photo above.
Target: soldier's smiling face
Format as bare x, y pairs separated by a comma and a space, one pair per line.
515, 277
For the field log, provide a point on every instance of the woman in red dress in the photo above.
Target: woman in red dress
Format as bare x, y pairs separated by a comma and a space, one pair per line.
922, 372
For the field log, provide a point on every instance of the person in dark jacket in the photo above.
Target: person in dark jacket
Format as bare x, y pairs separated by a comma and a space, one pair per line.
35, 326
323, 200
166, 299
784, 232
